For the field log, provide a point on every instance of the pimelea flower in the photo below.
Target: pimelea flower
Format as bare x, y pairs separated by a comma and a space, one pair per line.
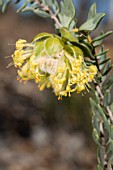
51, 62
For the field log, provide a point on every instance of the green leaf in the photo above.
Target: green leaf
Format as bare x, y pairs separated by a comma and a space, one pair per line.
73, 24
67, 35
94, 108
110, 147
67, 13
107, 98
23, 6
93, 19
96, 124
97, 97
107, 68
76, 51
55, 7
101, 37
98, 111
101, 156
37, 11
41, 36
108, 83
102, 54
91, 24
102, 63
86, 50
97, 43
5, 5
92, 11
86, 42
41, 13
96, 136
39, 47
53, 46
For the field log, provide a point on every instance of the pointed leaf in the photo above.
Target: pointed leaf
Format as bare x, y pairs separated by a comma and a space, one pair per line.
107, 98
96, 124
97, 43
108, 83
101, 37
96, 136
41, 13
107, 68
92, 11
67, 12
22, 7
103, 63
68, 35
101, 156
91, 24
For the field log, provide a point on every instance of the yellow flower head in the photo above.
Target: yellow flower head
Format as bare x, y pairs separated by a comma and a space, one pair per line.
50, 62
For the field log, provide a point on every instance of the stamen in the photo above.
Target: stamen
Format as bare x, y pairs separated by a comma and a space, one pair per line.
9, 65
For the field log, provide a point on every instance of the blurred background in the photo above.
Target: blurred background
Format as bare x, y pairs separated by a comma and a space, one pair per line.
38, 132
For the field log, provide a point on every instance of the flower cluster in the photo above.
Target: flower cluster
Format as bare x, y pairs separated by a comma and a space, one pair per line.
52, 63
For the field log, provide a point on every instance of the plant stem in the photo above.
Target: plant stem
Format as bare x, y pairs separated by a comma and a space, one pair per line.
52, 15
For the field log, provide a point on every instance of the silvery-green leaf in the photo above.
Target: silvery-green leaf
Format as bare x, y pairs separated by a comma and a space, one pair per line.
97, 43
107, 68
41, 13
22, 7
67, 12
107, 98
101, 37
92, 23
104, 61
96, 124
102, 54
92, 11
108, 83
93, 20
94, 108
73, 24
96, 136
100, 156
